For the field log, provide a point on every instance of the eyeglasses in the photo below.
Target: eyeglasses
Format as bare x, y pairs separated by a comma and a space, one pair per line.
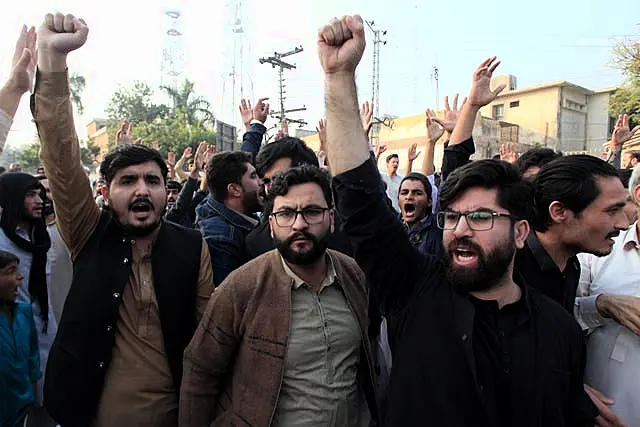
477, 220
287, 217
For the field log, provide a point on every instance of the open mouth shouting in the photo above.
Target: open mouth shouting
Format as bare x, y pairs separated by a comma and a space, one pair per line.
141, 208
409, 211
464, 254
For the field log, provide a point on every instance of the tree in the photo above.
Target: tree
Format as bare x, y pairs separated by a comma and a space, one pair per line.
135, 105
626, 57
196, 108
77, 84
29, 157
89, 153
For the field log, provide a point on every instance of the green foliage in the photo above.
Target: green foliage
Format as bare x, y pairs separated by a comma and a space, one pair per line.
627, 100
89, 153
196, 108
135, 105
29, 157
77, 84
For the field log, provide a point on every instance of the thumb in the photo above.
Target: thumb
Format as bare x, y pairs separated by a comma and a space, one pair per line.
499, 89
81, 30
356, 26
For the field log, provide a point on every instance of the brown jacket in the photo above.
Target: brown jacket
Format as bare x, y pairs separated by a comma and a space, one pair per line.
234, 365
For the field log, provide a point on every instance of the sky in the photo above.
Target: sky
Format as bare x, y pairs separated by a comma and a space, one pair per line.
537, 42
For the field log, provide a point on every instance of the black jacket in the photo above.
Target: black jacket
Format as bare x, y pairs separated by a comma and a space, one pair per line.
82, 350
434, 380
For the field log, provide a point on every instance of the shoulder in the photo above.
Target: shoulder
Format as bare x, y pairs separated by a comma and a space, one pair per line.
552, 316
255, 273
346, 266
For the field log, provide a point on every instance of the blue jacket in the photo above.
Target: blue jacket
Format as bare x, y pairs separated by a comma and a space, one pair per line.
225, 232
426, 236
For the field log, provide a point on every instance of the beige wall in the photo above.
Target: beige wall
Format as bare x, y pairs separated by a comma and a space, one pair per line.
597, 121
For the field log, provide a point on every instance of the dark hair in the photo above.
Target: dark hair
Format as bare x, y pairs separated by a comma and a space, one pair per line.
391, 156
625, 176
7, 258
174, 185
223, 169
41, 177
125, 155
304, 174
416, 176
635, 155
2, 169
535, 157
514, 193
289, 147
570, 180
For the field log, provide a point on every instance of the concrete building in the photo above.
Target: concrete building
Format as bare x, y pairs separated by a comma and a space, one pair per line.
560, 115
97, 132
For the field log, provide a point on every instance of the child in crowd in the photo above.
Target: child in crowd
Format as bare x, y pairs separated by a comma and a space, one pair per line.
19, 358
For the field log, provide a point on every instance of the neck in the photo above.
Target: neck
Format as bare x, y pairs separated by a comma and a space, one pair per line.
144, 244
391, 172
236, 205
504, 293
50, 219
313, 274
558, 251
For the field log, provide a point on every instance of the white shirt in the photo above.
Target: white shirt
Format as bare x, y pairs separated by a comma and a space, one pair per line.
393, 188
613, 351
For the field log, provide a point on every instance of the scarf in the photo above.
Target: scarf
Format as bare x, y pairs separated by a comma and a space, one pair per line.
13, 188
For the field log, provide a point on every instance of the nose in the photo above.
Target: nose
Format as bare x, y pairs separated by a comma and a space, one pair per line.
300, 223
622, 221
142, 189
462, 228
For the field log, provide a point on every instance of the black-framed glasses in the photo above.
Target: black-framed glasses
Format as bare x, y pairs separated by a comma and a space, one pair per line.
287, 217
476, 220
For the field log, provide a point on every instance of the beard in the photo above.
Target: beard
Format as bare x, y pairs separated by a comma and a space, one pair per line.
490, 269
143, 230
306, 257
251, 202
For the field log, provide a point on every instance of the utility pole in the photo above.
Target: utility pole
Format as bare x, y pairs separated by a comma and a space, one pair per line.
375, 90
434, 76
276, 61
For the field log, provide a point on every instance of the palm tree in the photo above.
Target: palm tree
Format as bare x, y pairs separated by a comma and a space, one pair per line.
195, 108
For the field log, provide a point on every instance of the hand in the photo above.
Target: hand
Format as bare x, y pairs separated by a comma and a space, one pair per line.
23, 66
366, 113
57, 36
607, 417
124, 134
341, 44
380, 149
188, 152
211, 151
435, 128
246, 113
412, 155
155, 145
507, 153
621, 133
481, 93
322, 134
199, 161
322, 157
261, 110
624, 309
283, 132
171, 159
451, 116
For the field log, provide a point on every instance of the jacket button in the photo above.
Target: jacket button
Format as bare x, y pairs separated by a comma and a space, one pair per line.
109, 328
116, 295
464, 337
126, 260
101, 365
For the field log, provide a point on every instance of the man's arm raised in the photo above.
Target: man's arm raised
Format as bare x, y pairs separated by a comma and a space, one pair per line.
77, 214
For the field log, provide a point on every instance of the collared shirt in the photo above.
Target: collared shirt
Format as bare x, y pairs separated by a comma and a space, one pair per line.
393, 188
138, 389
61, 271
19, 364
45, 339
540, 271
319, 384
425, 235
613, 351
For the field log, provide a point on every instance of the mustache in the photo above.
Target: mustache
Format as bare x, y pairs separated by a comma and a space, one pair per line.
465, 241
299, 235
141, 200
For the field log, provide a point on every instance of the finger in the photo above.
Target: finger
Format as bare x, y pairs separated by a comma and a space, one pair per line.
21, 43
81, 30
625, 120
266, 109
342, 30
499, 89
261, 100
486, 62
446, 104
58, 22
601, 422
619, 121
438, 121
464, 101
24, 60
455, 101
68, 24
48, 21
355, 24
493, 67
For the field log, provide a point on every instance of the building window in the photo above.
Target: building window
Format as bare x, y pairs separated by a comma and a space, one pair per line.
498, 112
514, 104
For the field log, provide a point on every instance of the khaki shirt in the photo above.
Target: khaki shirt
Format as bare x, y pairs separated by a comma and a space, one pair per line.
138, 388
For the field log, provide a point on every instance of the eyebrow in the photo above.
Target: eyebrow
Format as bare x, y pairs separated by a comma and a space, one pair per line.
315, 206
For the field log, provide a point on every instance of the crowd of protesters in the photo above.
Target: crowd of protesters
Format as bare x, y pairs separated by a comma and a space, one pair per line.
278, 286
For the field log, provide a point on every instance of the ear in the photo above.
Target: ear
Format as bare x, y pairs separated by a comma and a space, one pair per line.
234, 190
636, 195
558, 212
521, 231
332, 220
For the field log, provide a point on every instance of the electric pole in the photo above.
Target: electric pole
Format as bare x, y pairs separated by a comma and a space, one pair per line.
375, 90
434, 76
276, 61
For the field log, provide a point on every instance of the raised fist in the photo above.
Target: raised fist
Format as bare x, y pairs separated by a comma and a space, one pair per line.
58, 35
341, 44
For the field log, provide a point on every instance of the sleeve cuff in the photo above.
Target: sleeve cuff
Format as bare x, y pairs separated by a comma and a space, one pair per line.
466, 146
366, 176
586, 312
52, 83
257, 125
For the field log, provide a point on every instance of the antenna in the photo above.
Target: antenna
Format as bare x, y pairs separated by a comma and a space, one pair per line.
375, 90
276, 61
172, 52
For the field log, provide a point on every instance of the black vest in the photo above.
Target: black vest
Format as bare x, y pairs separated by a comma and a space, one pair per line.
81, 352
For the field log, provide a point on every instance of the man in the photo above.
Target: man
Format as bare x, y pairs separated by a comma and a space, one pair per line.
15, 167
393, 180
530, 162
284, 339
415, 207
173, 190
227, 214
471, 331
579, 203
608, 305
279, 157
23, 232
140, 283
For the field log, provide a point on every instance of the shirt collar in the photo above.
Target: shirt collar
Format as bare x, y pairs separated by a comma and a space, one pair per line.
630, 240
297, 281
541, 255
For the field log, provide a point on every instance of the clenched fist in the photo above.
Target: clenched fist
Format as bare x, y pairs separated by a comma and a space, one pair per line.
341, 44
58, 35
